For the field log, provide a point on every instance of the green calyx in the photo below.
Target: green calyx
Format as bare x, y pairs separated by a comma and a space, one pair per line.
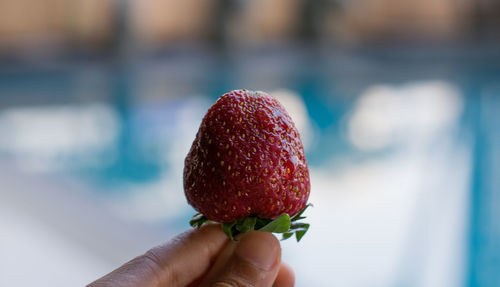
283, 224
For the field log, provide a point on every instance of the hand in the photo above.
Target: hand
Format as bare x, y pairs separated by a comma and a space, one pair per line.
205, 257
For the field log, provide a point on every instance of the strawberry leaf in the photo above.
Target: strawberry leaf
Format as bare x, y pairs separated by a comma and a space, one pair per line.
279, 225
227, 227
283, 224
261, 222
301, 230
299, 216
298, 225
198, 220
246, 224
286, 235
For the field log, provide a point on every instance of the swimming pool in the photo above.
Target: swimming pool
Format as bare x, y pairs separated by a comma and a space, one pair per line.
402, 142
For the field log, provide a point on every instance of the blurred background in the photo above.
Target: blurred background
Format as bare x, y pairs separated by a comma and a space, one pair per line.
397, 102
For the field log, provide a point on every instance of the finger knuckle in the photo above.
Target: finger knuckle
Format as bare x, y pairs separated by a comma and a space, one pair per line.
151, 256
154, 263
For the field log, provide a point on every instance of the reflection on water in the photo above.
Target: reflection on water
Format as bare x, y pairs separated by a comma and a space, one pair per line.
53, 138
413, 114
394, 157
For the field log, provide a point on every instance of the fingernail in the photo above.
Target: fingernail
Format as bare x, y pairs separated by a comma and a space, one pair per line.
259, 248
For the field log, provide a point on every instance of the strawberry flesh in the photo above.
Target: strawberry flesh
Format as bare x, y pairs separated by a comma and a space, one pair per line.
247, 160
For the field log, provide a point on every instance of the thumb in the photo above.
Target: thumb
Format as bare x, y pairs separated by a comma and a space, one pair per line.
253, 261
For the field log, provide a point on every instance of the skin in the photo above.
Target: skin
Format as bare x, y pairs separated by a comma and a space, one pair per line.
205, 257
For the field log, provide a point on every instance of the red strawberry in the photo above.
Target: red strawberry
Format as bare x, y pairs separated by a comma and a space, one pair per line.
246, 166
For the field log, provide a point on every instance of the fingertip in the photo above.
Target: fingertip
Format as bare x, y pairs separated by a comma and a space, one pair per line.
254, 260
259, 248
286, 276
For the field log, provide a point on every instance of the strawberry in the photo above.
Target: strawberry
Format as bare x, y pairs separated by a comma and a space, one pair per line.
246, 168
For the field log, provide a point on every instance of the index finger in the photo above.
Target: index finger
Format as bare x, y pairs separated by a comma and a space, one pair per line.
178, 262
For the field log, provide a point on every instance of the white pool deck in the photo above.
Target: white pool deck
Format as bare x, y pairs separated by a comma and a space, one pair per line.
56, 234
